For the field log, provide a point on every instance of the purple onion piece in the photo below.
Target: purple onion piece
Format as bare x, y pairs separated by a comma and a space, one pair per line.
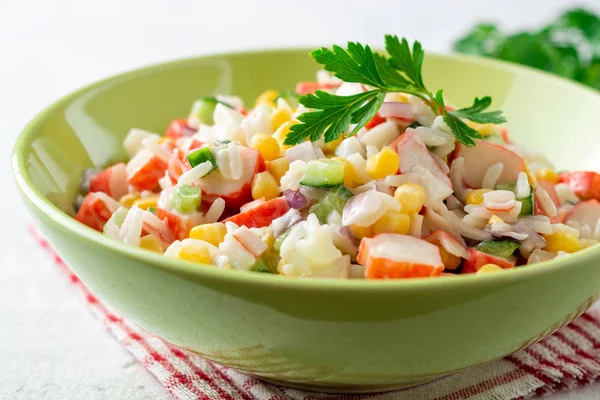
345, 231
188, 131
383, 187
295, 199
286, 221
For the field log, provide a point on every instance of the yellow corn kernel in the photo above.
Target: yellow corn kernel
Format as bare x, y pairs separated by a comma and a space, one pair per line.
128, 200
483, 129
562, 241
361, 231
383, 163
476, 196
212, 233
392, 222
450, 260
266, 145
281, 133
329, 148
495, 219
197, 254
264, 185
280, 266
267, 98
546, 174
278, 167
397, 97
279, 117
351, 179
488, 268
151, 242
268, 238
146, 203
163, 139
411, 197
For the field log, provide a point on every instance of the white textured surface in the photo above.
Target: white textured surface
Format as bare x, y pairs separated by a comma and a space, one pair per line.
50, 347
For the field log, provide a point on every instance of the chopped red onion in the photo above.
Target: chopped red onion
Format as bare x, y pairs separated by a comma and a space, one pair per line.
295, 199
286, 221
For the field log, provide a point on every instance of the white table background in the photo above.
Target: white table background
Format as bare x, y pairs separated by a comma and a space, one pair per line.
50, 345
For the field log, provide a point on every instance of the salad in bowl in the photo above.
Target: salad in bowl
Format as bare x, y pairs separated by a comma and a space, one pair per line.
363, 173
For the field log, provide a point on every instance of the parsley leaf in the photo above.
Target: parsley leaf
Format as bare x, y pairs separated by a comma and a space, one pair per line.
335, 115
463, 132
400, 71
356, 64
476, 112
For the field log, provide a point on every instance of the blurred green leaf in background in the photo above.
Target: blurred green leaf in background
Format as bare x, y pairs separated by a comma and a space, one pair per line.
569, 46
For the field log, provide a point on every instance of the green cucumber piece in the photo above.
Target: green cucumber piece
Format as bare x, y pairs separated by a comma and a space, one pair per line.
201, 155
332, 201
203, 109
526, 202
186, 198
323, 173
262, 265
498, 248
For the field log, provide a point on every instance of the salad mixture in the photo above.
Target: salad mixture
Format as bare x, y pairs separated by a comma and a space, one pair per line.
363, 173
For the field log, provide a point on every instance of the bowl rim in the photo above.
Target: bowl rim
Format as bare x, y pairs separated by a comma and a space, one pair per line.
63, 221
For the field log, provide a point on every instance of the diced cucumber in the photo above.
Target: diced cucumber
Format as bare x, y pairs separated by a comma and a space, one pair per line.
526, 202
332, 201
152, 210
498, 248
414, 125
186, 198
262, 265
201, 155
118, 217
203, 110
323, 173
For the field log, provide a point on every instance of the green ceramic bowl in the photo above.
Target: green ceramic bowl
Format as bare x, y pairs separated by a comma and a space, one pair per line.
313, 333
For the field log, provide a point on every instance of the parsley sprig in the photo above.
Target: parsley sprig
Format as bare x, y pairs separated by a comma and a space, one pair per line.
398, 71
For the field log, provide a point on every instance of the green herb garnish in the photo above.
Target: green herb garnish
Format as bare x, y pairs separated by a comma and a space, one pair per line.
569, 46
398, 71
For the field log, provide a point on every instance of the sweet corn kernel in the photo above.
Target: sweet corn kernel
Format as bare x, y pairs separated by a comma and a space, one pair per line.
212, 233
397, 97
495, 219
383, 163
282, 132
411, 197
392, 222
547, 174
278, 167
266, 145
562, 241
267, 98
163, 139
151, 242
476, 196
264, 185
198, 254
329, 148
128, 200
146, 203
483, 129
268, 238
279, 117
488, 268
351, 178
450, 260
361, 231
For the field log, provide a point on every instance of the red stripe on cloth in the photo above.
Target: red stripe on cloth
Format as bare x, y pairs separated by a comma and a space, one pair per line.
486, 385
223, 375
559, 383
560, 336
584, 379
530, 370
588, 316
575, 327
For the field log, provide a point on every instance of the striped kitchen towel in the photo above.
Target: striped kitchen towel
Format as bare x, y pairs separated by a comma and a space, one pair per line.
569, 358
